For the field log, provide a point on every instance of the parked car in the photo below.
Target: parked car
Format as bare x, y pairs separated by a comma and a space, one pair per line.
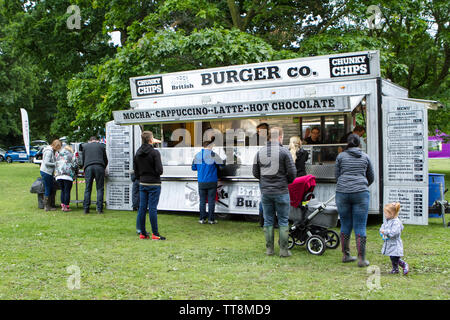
19, 154
38, 156
2, 155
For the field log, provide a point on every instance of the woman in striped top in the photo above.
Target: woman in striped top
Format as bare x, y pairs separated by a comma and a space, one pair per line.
354, 174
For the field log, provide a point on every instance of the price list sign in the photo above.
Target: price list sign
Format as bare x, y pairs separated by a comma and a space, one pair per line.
405, 155
119, 150
118, 195
406, 145
413, 201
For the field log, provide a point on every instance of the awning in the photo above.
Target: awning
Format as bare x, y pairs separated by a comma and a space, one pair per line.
430, 104
355, 101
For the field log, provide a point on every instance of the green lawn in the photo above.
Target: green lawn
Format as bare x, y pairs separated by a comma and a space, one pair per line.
223, 261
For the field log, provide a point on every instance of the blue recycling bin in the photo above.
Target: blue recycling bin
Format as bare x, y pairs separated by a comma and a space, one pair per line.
434, 193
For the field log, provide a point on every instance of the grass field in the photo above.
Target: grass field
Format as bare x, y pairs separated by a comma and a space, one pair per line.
40, 251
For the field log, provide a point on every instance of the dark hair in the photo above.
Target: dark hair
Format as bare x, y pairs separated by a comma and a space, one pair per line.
262, 125
353, 141
359, 128
93, 138
315, 128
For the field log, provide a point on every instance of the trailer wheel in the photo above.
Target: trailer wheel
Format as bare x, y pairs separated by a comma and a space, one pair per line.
315, 245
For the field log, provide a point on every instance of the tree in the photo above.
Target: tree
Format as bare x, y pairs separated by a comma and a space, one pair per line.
37, 34
413, 41
101, 89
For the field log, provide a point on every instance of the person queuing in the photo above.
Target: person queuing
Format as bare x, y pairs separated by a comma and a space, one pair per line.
47, 169
135, 192
148, 169
206, 163
299, 155
65, 172
261, 137
354, 174
274, 168
94, 163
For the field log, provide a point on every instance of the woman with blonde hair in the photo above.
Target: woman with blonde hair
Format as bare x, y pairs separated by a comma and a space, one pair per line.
64, 173
299, 155
47, 169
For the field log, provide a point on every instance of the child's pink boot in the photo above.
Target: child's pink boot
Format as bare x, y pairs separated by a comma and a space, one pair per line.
404, 266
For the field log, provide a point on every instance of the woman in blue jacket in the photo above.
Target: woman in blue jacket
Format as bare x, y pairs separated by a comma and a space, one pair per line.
206, 163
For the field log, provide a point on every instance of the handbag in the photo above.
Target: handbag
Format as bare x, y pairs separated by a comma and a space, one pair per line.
37, 186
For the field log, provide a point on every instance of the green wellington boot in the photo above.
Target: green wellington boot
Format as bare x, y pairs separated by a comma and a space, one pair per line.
269, 234
284, 241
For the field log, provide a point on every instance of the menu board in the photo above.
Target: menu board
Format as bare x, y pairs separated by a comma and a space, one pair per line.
119, 150
118, 195
406, 144
405, 158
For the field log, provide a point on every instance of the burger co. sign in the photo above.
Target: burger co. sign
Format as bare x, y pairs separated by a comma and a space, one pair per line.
257, 75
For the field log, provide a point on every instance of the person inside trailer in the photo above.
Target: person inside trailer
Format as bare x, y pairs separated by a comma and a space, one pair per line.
314, 138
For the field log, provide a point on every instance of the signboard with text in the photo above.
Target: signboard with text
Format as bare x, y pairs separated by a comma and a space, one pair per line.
257, 109
358, 65
405, 158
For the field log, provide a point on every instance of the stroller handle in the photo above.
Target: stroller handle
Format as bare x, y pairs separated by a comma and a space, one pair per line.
320, 208
329, 200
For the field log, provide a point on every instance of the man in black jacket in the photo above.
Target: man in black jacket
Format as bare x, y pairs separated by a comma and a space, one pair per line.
94, 163
148, 169
275, 169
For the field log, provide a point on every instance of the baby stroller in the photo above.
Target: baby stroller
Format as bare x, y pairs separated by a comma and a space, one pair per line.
311, 219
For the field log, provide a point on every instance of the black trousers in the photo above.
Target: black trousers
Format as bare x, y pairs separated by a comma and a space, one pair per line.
91, 173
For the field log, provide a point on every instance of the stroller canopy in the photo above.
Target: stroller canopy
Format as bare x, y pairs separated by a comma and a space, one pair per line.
299, 188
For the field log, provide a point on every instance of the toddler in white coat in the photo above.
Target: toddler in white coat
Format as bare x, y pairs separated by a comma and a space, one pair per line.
391, 231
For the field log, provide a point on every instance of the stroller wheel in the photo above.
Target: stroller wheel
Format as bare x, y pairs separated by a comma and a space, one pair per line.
331, 239
291, 242
315, 245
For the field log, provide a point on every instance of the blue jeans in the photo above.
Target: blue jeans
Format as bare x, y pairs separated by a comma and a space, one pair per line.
48, 183
353, 209
149, 197
210, 194
276, 204
66, 187
135, 195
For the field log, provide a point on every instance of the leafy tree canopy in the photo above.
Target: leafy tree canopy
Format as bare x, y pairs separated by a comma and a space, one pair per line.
72, 80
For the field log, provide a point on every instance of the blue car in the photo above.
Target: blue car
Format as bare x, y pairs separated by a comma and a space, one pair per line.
19, 154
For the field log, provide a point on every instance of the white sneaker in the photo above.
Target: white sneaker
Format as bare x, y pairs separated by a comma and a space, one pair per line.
202, 221
212, 222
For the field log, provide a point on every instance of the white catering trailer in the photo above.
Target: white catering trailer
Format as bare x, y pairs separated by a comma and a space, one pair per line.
331, 93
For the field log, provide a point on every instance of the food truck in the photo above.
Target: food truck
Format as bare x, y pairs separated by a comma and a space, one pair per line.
332, 93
